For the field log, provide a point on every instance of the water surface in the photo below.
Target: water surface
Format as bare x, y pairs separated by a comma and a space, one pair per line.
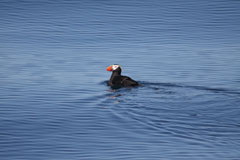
54, 98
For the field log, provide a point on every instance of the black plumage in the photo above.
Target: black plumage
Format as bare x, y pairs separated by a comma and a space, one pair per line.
117, 80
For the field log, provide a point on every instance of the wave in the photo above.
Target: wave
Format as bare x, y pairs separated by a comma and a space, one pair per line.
204, 88
158, 85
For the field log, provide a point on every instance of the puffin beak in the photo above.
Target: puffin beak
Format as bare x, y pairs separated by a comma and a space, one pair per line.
109, 68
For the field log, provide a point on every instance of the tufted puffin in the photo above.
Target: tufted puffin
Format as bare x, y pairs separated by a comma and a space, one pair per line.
117, 81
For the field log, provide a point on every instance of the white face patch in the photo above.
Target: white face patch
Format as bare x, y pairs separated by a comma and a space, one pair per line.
115, 66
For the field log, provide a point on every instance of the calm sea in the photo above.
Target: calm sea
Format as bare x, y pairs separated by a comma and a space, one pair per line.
54, 100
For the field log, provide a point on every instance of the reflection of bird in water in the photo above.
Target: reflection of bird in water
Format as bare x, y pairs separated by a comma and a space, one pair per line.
118, 95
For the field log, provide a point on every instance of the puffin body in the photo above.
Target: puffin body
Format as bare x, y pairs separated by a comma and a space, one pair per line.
117, 80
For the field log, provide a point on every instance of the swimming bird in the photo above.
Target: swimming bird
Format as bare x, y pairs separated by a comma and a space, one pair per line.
117, 80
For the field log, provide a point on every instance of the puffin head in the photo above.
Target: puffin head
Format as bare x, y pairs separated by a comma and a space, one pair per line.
114, 67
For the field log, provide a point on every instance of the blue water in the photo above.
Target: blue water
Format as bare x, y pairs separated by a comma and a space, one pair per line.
54, 99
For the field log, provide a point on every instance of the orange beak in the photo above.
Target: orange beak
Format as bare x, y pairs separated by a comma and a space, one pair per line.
109, 68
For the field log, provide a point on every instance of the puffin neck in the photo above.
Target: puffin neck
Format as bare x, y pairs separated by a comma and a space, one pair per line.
117, 71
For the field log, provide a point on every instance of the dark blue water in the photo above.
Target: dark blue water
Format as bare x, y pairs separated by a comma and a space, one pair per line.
54, 99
